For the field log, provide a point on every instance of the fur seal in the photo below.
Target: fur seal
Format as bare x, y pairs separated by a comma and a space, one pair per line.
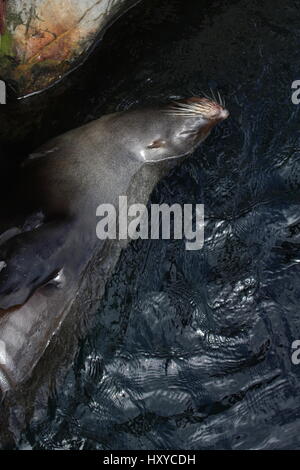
46, 250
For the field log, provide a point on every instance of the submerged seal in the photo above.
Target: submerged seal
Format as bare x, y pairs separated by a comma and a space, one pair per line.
47, 247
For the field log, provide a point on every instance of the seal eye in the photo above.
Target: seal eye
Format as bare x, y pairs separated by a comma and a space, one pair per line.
156, 144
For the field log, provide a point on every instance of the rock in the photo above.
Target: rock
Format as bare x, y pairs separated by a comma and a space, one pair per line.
41, 40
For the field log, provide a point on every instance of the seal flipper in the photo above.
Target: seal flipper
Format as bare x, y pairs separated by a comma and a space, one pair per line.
29, 260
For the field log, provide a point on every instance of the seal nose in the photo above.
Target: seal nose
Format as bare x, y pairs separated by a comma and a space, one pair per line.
224, 113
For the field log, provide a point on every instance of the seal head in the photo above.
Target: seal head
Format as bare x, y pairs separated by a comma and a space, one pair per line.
174, 130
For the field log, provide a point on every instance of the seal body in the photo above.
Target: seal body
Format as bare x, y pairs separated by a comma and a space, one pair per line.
48, 242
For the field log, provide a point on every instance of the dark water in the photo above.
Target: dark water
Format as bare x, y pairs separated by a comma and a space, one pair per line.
192, 350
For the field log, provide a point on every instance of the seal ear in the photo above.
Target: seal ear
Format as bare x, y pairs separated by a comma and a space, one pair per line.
29, 260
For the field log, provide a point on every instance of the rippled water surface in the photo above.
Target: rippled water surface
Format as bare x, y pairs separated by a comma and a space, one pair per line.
192, 350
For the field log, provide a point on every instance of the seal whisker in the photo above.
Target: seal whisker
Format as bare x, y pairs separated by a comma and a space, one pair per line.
186, 105
205, 107
205, 95
212, 94
222, 100
191, 110
185, 115
181, 108
177, 113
